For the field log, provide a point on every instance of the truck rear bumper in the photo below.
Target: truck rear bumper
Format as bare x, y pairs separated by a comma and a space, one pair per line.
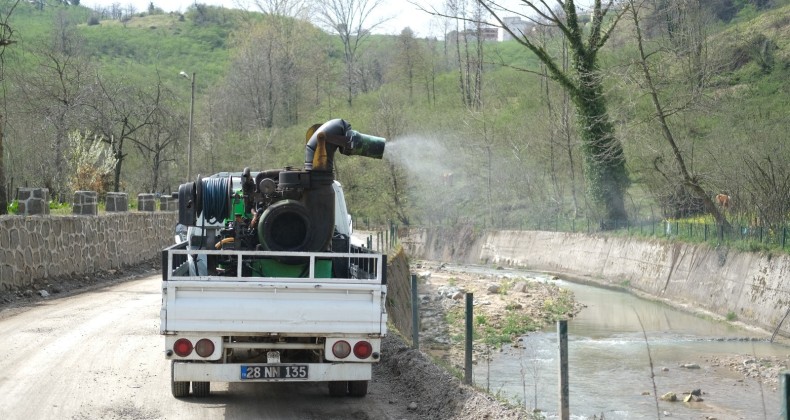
232, 372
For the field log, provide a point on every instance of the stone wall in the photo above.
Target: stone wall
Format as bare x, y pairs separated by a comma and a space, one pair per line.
754, 287
45, 247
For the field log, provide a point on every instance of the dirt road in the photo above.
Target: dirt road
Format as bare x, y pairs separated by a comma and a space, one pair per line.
99, 355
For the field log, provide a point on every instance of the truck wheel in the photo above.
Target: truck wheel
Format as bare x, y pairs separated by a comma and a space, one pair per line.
180, 389
358, 388
201, 389
338, 388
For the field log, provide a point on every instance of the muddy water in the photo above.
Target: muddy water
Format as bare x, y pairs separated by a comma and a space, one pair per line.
610, 369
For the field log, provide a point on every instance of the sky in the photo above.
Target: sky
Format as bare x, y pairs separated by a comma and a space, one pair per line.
401, 13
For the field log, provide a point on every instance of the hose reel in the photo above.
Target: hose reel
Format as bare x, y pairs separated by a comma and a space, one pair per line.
208, 196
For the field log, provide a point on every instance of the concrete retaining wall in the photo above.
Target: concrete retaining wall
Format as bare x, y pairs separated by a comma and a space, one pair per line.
755, 287
42, 247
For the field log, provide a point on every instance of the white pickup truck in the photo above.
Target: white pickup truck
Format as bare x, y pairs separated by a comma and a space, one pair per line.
267, 286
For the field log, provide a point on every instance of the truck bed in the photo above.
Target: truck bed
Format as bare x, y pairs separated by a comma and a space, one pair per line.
236, 305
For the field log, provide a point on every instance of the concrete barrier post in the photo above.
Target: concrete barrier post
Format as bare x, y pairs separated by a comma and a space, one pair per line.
146, 202
117, 202
33, 201
167, 203
85, 203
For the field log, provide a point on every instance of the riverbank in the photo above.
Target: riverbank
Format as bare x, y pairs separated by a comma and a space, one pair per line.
506, 308
735, 371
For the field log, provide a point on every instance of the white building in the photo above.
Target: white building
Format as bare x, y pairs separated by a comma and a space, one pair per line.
516, 25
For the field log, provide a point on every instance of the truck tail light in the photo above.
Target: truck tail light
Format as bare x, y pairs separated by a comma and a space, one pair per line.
363, 349
182, 347
341, 349
204, 347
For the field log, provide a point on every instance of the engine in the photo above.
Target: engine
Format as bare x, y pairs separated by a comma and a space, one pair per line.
284, 209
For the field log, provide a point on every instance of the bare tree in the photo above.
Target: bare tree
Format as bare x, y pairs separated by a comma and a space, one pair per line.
157, 140
468, 43
390, 121
6, 39
269, 70
410, 58
120, 113
689, 179
292, 8
352, 21
57, 91
561, 135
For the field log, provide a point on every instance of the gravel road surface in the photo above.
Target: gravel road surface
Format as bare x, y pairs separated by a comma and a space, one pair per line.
99, 355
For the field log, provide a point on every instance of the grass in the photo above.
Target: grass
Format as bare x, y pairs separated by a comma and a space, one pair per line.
557, 308
731, 316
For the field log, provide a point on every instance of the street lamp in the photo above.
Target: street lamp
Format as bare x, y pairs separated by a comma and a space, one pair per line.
191, 115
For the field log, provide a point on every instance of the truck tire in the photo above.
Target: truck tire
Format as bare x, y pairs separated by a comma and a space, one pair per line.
338, 388
201, 389
180, 389
358, 388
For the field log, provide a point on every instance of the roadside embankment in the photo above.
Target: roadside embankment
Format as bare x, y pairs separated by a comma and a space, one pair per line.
750, 287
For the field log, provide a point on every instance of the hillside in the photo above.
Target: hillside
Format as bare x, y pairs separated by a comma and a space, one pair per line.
515, 160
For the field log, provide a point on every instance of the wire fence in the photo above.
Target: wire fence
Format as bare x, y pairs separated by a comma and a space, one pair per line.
750, 237
742, 237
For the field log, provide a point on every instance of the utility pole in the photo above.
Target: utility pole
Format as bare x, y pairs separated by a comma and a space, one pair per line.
191, 116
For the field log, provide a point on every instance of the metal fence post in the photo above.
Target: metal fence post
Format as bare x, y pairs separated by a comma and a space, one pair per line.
415, 314
785, 380
562, 338
468, 339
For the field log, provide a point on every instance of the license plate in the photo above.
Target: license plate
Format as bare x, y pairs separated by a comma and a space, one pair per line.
264, 372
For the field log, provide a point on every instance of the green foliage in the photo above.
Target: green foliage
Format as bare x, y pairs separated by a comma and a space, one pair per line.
731, 316
559, 306
513, 325
505, 286
13, 207
59, 208
512, 162
751, 246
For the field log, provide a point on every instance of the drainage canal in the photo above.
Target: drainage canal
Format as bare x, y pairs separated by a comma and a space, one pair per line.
610, 370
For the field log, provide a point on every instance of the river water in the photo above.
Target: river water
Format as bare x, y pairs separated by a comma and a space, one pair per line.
609, 366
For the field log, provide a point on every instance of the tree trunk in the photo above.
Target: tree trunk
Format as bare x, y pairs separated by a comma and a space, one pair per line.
603, 153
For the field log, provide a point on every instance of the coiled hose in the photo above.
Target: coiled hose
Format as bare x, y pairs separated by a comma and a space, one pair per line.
215, 199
